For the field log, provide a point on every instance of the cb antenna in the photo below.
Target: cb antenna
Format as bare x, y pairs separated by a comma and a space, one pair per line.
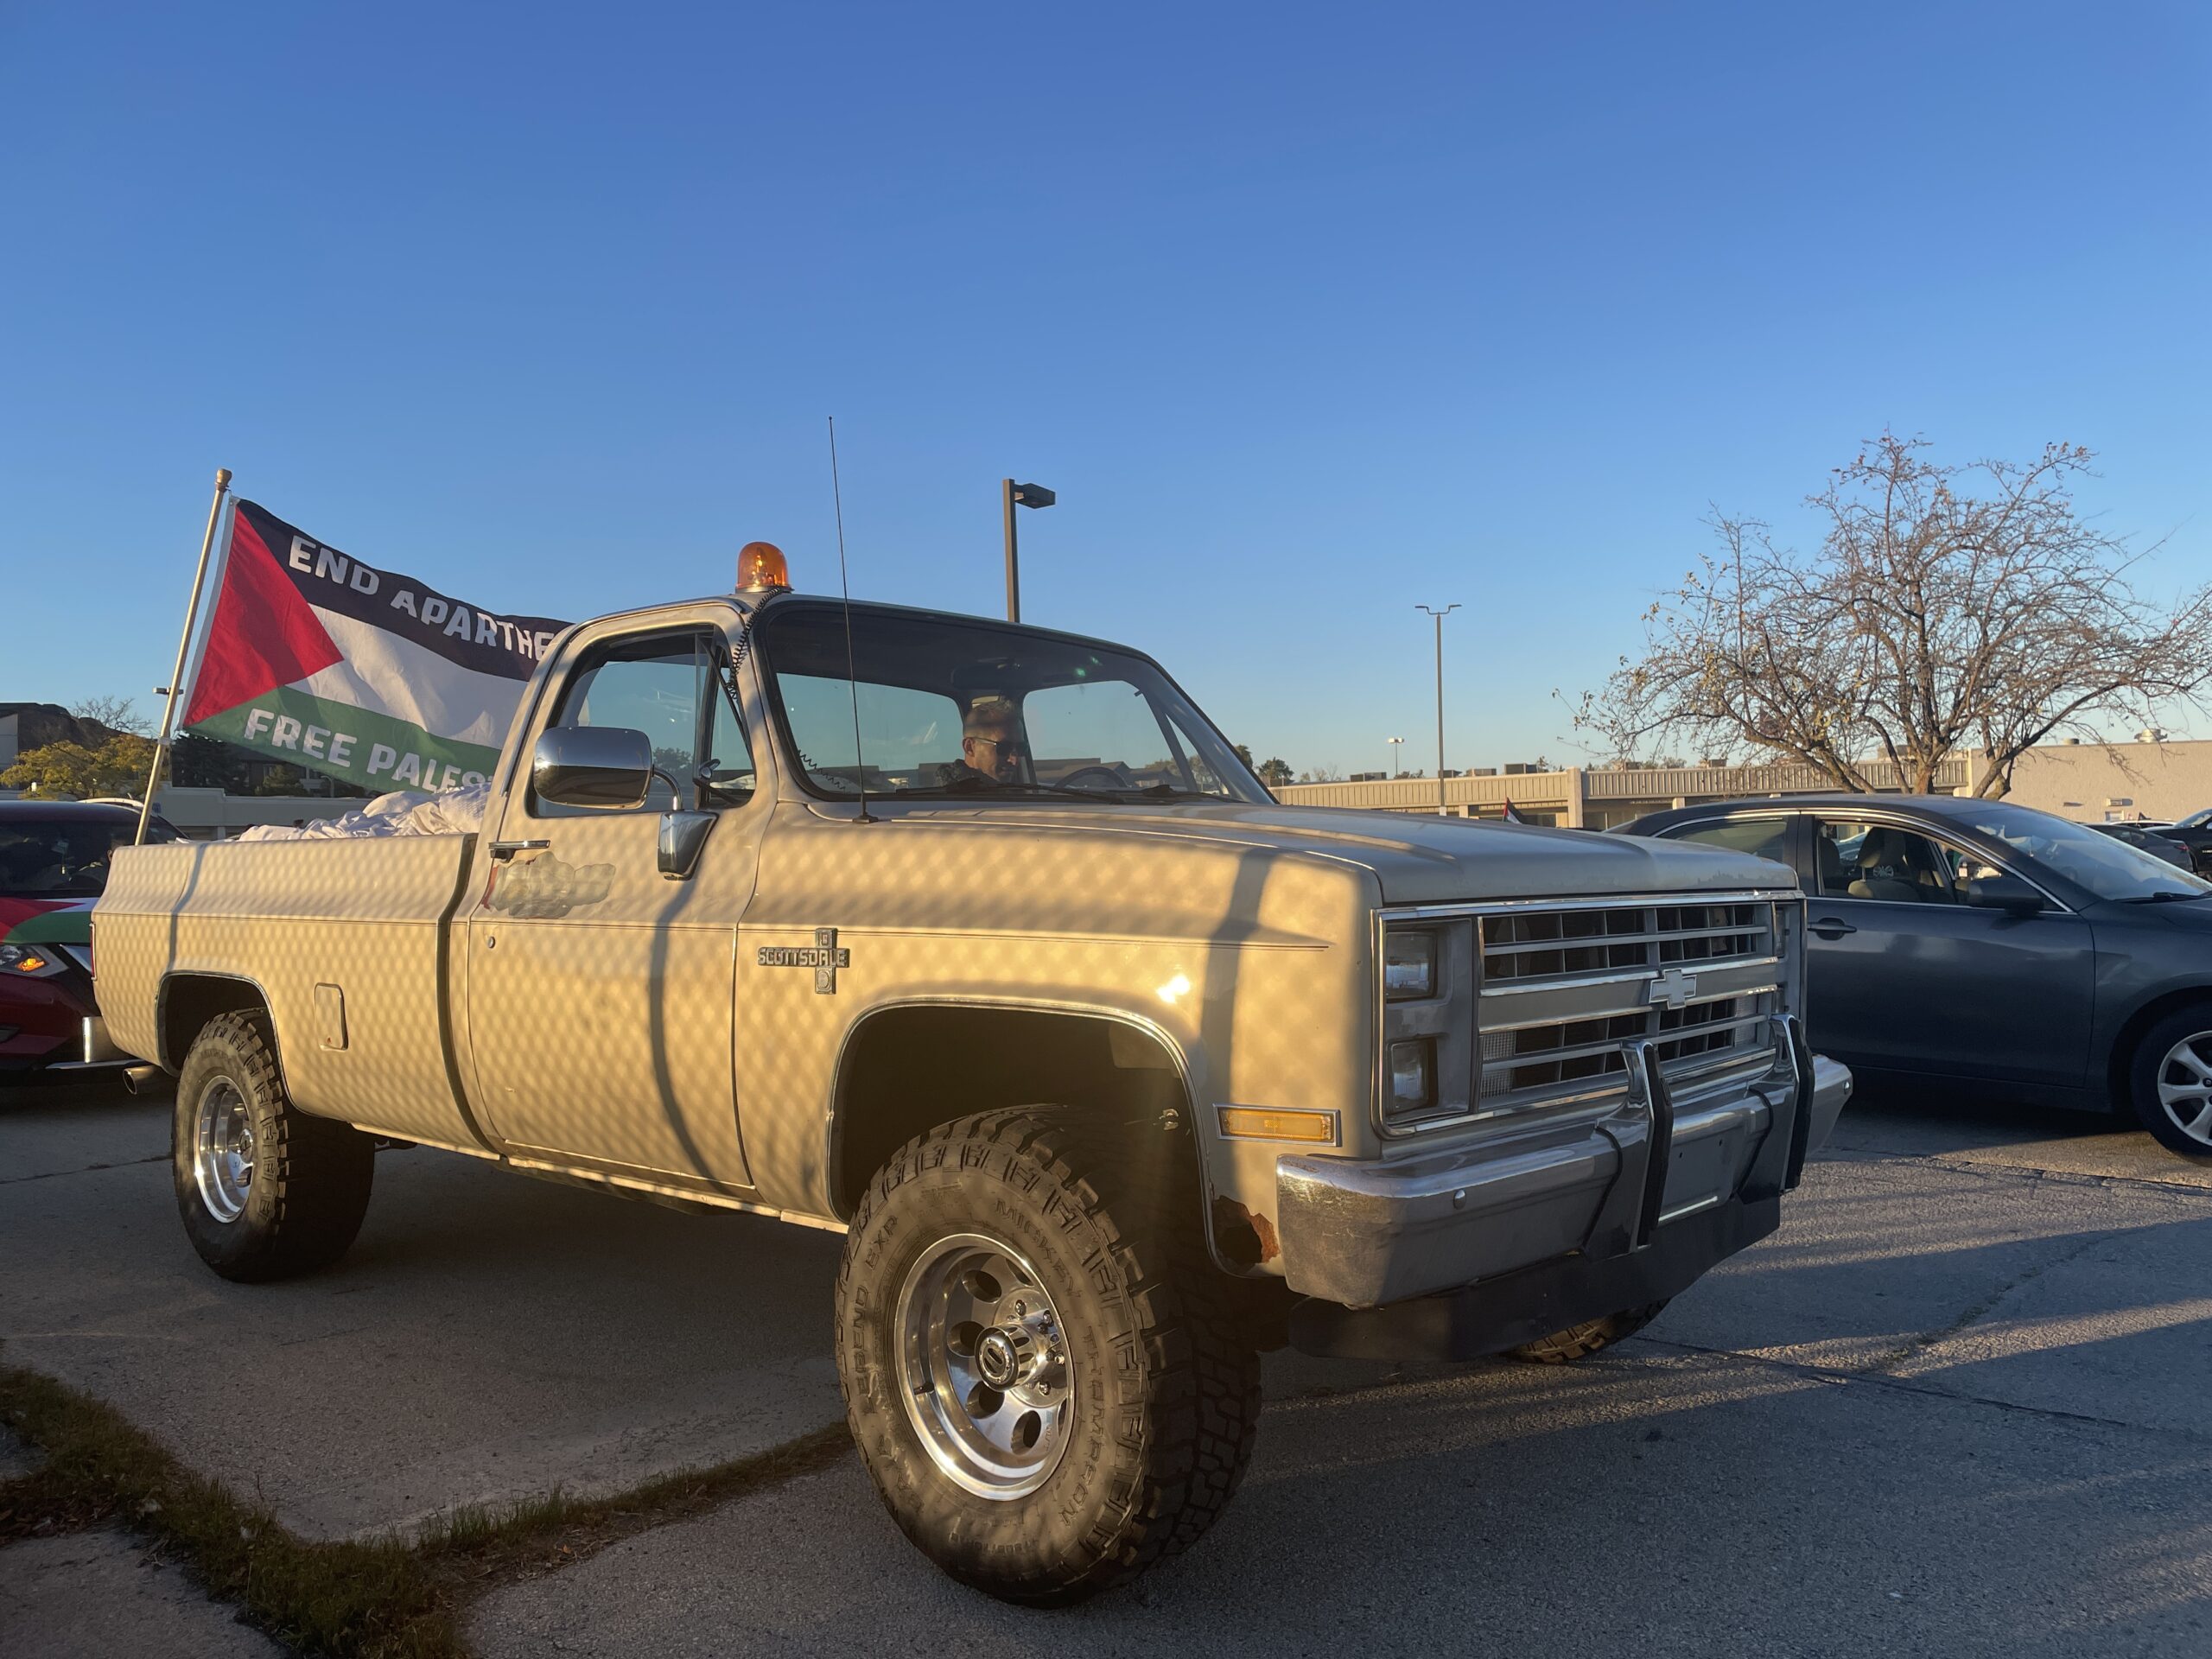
852, 674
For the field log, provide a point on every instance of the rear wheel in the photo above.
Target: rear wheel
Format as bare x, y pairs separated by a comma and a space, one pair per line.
1043, 1369
1581, 1341
2170, 1081
265, 1191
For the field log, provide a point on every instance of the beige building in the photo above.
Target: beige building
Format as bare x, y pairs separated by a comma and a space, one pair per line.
2097, 782
2086, 781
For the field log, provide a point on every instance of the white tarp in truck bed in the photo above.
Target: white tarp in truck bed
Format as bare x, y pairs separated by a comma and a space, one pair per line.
403, 812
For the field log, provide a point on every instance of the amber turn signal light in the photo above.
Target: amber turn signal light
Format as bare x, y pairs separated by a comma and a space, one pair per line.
1279, 1123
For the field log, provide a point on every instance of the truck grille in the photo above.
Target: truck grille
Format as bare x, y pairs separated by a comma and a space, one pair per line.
1565, 990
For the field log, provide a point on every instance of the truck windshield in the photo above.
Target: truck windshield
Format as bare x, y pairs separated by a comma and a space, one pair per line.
976, 710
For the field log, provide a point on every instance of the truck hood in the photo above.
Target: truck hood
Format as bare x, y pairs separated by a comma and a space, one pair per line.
1415, 860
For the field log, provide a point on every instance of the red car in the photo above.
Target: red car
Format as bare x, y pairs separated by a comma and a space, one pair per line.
53, 864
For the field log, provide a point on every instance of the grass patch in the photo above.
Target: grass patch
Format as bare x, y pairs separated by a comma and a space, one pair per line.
377, 1598
373, 1599
480, 1545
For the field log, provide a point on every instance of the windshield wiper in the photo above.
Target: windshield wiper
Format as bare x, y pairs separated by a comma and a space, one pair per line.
1160, 793
2162, 897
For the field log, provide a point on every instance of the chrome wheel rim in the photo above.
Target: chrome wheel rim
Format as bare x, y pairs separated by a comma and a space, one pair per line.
2185, 1087
223, 1150
983, 1366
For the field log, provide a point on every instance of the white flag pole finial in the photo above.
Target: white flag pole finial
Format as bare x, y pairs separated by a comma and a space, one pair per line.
183, 644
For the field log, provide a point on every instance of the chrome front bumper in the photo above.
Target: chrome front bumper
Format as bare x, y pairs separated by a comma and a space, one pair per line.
1364, 1234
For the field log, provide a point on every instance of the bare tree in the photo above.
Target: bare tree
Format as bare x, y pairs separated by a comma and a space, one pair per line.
1948, 608
117, 714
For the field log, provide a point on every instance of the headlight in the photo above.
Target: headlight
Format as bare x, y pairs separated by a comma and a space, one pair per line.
1425, 1046
1409, 964
1413, 1075
32, 961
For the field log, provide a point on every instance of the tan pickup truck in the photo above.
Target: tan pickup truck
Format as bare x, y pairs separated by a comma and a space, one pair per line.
978, 942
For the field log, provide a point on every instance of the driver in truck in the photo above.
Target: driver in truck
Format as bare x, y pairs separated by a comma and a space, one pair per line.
990, 742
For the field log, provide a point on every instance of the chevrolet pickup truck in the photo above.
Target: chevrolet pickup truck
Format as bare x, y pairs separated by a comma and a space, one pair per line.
978, 943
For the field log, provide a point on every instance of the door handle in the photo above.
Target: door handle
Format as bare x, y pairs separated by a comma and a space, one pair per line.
1833, 927
502, 850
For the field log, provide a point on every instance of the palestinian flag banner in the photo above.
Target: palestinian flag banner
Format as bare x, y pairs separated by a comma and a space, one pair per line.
364, 674
64, 922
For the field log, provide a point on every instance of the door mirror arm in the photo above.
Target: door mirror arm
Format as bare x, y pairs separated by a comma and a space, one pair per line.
683, 835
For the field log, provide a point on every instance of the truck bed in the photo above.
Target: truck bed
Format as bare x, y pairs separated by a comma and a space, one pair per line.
345, 939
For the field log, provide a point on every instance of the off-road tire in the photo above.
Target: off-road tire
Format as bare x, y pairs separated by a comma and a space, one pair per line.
310, 1182
2143, 1067
1581, 1341
1166, 1380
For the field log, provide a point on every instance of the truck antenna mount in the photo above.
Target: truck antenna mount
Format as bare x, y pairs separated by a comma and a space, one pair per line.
852, 674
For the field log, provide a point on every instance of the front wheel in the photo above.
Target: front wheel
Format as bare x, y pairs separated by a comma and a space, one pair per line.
1581, 1341
265, 1191
1042, 1367
2170, 1081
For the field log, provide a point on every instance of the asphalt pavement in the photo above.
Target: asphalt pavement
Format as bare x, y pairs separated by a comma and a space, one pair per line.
1957, 1405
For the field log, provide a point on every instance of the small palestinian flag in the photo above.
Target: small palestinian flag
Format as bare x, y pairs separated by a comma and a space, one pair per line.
1513, 812
358, 672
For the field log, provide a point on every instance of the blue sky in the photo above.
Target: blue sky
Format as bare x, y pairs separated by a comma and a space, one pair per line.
1307, 312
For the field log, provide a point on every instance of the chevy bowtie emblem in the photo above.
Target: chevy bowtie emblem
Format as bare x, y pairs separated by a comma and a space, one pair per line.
825, 955
1674, 987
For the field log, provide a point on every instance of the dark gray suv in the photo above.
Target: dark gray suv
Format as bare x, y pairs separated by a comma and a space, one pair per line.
1992, 947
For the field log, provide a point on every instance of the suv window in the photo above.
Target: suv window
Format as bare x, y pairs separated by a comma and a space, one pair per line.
1881, 861
675, 689
1766, 837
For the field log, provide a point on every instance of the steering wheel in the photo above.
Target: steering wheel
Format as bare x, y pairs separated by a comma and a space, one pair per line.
1114, 779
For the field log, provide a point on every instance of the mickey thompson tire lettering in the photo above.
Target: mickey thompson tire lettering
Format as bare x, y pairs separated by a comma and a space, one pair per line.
1166, 1383
309, 1184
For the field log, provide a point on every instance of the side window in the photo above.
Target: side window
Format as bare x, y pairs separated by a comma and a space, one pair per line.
671, 688
1880, 861
1761, 837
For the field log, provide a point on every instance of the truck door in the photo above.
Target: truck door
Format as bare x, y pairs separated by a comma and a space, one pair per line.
600, 992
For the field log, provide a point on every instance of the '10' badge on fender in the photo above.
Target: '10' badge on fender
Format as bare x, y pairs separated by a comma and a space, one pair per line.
825, 955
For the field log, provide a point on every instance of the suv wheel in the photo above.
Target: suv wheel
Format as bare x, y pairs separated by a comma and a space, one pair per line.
265, 1191
1043, 1371
2170, 1081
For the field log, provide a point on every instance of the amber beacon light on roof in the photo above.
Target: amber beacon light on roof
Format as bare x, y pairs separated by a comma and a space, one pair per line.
761, 565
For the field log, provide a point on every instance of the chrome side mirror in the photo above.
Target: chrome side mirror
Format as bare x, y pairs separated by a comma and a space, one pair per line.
682, 837
607, 766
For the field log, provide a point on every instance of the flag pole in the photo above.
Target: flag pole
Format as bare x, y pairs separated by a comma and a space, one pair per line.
176, 689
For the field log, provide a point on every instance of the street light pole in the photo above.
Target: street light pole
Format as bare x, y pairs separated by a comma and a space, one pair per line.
1396, 749
1439, 616
1015, 495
